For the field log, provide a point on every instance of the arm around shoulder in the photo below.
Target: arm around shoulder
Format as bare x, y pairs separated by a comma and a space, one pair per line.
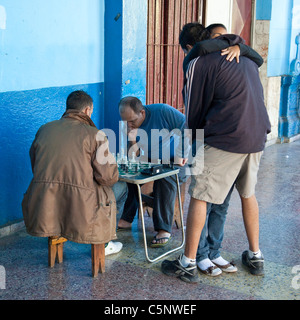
250, 53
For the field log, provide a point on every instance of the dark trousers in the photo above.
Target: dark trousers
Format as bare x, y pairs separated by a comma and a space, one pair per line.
164, 196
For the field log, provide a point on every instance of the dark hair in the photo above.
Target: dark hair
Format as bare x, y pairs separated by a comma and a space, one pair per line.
215, 25
192, 33
134, 103
78, 100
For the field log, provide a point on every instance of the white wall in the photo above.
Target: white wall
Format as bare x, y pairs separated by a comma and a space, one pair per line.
219, 11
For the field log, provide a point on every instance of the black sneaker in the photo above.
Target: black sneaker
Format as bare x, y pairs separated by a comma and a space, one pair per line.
255, 265
174, 268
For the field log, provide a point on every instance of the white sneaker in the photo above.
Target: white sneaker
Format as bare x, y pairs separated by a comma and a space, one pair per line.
212, 271
207, 267
113, 247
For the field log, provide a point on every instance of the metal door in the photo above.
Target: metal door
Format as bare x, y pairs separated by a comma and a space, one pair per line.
164, 54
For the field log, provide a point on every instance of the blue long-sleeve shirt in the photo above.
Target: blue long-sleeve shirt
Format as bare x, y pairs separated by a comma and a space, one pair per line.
163, 144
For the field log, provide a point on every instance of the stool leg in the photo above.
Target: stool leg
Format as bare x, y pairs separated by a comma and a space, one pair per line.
98, 258
102, 257
95, 261
52, 251
60, 250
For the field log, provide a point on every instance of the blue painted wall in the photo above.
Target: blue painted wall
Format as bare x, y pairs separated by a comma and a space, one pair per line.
280, 38
283, 60
289, 119
22, 113
284, 27
295, 30
51, 43
134, 48
263, 9
125, 56
47, 50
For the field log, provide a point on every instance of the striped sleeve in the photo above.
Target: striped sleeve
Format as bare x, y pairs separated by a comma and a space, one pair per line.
189, 76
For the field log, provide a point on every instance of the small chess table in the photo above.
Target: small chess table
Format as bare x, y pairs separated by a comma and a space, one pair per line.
138, 179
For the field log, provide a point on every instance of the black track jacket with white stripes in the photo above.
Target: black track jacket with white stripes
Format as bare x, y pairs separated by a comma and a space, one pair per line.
226, 100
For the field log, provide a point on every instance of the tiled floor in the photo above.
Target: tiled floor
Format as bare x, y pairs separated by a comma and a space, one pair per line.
25, 274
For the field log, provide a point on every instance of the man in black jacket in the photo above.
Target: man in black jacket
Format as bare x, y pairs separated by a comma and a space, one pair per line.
226, 100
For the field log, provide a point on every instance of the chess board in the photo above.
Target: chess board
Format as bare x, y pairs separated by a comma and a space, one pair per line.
127, 170
143, 169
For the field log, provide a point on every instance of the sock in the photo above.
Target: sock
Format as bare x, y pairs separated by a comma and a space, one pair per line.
185, 261
220, 261
205, 264
257, 254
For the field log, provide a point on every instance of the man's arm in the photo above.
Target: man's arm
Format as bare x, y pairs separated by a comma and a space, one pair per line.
132, 142
212, 45
251, 54
198, 92
176, 120
242, 50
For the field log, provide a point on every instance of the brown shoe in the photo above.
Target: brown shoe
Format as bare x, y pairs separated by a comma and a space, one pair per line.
212, 271
230, 267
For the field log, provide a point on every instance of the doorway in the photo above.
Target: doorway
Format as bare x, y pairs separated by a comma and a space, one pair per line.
164, 54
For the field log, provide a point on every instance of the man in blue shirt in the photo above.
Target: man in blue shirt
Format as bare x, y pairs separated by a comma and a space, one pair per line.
160, 129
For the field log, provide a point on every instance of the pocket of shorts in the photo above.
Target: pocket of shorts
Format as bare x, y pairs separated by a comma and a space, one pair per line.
206, 146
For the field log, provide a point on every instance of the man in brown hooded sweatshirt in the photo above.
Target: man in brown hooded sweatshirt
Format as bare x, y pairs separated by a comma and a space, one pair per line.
74, 178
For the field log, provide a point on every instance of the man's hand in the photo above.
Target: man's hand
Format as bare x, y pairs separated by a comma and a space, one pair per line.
132, 135
180, 161
232, 52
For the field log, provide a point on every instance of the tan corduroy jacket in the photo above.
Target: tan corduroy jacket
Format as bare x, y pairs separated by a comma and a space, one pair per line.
70, 194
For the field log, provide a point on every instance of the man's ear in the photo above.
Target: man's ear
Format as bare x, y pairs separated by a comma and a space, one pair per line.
189, 47
86, 110
143, 112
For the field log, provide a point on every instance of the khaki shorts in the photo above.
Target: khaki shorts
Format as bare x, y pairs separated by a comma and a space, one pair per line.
220, 171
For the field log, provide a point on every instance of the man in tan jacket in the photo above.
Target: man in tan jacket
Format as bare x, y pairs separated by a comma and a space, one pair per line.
75, 191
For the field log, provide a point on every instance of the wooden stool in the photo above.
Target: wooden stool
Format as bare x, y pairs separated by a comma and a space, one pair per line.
147, 198
55, 252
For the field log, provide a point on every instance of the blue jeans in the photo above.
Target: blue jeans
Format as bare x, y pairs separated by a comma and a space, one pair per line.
213, 230
121, 191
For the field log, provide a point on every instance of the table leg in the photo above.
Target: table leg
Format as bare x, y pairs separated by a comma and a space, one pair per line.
180, 210
143, 223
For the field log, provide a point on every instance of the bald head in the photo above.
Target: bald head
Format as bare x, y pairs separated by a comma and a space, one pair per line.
132, 110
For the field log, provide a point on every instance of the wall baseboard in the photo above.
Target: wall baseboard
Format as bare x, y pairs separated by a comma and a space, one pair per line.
11, 228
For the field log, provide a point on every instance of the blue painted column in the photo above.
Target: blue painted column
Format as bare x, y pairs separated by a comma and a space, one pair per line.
112, 61
289, 119
289, 112
125, 56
